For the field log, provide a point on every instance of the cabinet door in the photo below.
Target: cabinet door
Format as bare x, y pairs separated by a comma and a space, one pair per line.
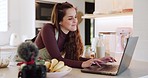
111, 6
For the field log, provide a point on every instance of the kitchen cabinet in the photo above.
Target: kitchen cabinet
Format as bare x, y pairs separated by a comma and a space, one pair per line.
111, 8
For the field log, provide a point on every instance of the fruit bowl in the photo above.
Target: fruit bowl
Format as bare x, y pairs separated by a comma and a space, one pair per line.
4, 62
56, 69
58, 74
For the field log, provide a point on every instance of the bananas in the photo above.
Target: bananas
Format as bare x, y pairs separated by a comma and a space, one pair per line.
47, 64
56, 66
53, 63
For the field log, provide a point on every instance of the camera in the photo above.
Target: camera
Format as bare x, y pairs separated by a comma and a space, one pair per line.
28, 51
33, 71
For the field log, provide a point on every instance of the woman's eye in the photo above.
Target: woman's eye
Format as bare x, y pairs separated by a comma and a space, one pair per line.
70, 19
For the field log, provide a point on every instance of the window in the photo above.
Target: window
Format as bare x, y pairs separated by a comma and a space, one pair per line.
3, 15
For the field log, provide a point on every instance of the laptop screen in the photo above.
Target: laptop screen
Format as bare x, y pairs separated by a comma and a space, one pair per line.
128, 53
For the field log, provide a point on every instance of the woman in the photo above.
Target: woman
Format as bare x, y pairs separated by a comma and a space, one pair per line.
61, 39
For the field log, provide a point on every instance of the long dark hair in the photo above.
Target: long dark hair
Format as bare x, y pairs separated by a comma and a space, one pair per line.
73, 45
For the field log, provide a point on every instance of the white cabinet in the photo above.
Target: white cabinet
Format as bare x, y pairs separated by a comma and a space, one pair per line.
112, 6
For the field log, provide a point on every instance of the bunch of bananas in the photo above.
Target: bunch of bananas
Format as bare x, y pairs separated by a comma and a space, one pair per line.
56, 66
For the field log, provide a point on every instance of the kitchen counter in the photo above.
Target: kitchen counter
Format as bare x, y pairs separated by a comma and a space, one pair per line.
7, 48
135, 70
7, 51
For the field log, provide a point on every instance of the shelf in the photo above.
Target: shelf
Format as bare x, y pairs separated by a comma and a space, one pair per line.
93, 16
40, 21
51, 1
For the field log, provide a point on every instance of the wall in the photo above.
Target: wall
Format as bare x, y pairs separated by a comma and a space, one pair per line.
27, 18
13, 21
140, 29
110, 24
140, 26
21, 20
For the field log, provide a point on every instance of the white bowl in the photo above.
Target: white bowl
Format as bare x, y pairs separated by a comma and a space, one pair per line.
4, 62
58, 74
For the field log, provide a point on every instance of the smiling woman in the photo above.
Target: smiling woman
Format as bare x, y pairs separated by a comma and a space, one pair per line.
3, 15
67, 46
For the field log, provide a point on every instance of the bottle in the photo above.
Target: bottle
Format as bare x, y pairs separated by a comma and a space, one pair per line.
87, 51
100, 47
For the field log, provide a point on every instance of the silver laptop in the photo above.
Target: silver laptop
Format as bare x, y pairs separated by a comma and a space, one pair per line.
116, 69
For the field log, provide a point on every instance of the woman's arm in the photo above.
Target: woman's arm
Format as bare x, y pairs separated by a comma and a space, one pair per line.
84, 59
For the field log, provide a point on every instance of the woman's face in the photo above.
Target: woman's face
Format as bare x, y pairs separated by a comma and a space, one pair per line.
69, 22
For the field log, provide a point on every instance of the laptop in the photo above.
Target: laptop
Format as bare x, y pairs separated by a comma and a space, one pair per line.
115, 69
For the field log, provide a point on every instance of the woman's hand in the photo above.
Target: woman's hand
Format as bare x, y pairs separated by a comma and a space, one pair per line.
89, 62
108, 59
98, 62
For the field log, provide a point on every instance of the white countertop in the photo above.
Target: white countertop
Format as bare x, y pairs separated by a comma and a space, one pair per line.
135, 70
7, 47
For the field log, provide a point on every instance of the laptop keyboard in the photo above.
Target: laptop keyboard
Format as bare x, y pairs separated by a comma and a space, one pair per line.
110, 68
106, 69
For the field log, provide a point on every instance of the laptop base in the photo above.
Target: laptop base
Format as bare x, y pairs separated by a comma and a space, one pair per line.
106, 70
